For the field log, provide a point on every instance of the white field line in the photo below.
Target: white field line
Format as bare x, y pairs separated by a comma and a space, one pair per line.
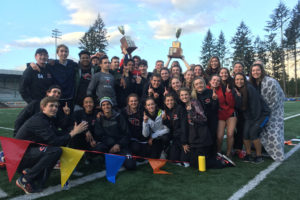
263, 174
2, 194
91, 177
11, 129
57, 188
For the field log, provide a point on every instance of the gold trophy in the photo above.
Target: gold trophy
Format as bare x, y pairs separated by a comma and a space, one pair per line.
175, 51
126, 41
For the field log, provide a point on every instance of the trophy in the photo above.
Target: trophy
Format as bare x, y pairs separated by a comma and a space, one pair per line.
126, 41
175, 51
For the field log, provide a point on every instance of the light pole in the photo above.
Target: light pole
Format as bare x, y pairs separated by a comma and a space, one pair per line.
56, 35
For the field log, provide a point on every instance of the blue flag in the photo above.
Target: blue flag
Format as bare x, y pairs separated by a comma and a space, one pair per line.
113, 164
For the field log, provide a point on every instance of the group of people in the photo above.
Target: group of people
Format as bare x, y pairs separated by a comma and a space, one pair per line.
117, 106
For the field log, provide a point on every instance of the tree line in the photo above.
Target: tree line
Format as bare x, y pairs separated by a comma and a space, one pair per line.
278, 45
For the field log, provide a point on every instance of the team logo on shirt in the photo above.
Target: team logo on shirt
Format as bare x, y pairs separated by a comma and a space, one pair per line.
207, 100
40, 76
175, 117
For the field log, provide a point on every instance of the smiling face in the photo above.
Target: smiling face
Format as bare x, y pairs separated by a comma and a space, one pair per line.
41, 58
158, 66
106, 108
169, 102
224, 74
198, 71
150, 106
50, 109
189, 76
199, 85
63, 53
256, 72
114, 64
184, 96
164, 75
54, 92
215, 81
238, 68
85, 59
176, 84
155, 82
175, 71
239, 81
88, 104
133, 103
214, 63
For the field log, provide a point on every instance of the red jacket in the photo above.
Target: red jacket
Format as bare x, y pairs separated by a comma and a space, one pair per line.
226, 103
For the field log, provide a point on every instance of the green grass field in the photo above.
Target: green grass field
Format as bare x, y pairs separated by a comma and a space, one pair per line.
183, 183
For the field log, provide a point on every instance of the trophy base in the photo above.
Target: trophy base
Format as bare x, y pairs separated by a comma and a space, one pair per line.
175, 52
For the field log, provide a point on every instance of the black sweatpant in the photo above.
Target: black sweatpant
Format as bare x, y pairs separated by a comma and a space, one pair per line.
238, 135
158, 145
38, 162
139, 149
176, 152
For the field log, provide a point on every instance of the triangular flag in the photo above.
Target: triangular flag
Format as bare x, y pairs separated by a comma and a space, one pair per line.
68, 161
156, 164
113, 164
14, 150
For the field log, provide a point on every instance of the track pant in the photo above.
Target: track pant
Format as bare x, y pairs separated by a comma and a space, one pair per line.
38, 162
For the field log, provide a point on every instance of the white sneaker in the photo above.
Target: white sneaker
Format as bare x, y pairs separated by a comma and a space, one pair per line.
185, 164
163, 155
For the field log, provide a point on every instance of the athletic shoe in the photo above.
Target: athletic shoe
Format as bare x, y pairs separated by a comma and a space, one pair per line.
66, 186
57, 166
248, 158
25, 186
2, 161
163, 155
229, 160
258, 160
185, 164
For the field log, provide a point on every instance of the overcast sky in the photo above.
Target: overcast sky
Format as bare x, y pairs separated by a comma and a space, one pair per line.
27, 25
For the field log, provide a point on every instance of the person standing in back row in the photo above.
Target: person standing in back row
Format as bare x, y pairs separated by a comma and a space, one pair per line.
34, 84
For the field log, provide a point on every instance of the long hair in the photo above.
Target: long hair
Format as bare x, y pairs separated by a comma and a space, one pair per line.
194, 91
229, 80
209, 71
263, 73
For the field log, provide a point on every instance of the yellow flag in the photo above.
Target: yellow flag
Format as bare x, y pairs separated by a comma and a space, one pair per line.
68, 161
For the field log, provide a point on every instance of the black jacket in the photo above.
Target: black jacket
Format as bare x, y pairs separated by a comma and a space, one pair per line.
61, 120
176, 120
34, 84
41, 129
135, 122
113, 130
256, 107
159, 90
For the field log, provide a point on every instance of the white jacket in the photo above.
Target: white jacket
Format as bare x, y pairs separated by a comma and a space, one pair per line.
155, 128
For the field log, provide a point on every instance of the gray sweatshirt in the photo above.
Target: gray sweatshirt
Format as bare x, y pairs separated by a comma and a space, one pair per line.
103, 84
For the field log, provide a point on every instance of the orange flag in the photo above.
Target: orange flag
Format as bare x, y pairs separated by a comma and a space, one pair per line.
156, 164
14, 150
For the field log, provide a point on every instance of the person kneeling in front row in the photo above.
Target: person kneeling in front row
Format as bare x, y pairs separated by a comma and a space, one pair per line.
38, 160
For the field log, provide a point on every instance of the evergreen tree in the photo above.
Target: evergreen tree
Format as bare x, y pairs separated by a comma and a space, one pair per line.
95, 39
278, 19
242, 46
260, 49
274, 58
208, 47
292, 34
220, 49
